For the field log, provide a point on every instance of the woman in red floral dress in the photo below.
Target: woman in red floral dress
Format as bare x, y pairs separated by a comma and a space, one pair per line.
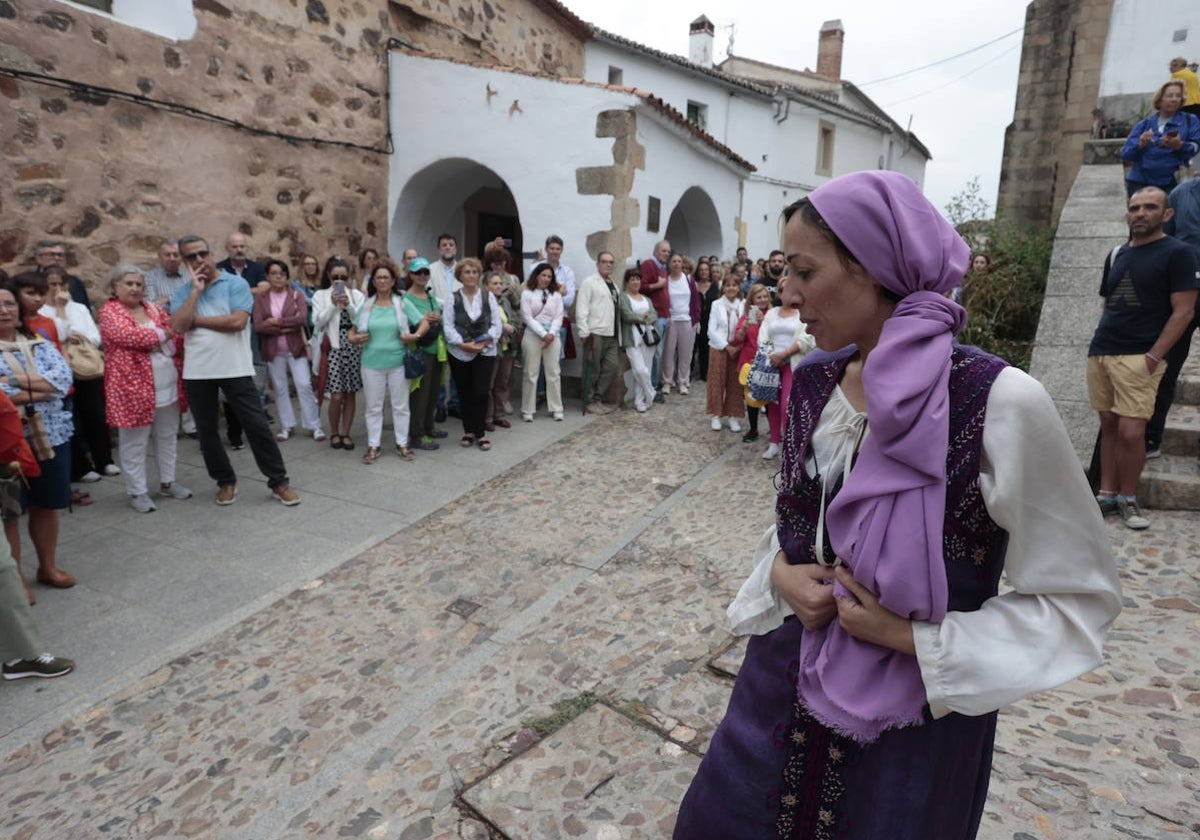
144, 384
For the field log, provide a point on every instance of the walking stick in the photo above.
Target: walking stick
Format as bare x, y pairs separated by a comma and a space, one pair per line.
587, 373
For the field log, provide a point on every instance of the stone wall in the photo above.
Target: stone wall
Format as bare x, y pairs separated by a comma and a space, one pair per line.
1057, 90
113, 177
531, 35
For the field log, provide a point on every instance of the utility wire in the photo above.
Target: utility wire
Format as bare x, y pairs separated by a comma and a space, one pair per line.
992, 60
99, 95
942, 60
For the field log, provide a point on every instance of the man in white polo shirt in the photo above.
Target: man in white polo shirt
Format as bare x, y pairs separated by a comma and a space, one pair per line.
213, 313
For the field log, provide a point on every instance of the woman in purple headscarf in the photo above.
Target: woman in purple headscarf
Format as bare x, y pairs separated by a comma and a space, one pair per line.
915, 471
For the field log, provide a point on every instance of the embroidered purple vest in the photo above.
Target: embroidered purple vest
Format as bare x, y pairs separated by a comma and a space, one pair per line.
973, 545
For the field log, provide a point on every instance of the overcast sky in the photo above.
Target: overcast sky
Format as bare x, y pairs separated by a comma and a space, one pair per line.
959, 109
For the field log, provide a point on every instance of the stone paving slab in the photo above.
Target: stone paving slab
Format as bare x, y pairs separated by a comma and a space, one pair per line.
375, 698
599, 776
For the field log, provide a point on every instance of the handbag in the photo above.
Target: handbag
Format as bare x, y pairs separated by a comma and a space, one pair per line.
85, 358
765, 380
35, 426
650, 335
415, 364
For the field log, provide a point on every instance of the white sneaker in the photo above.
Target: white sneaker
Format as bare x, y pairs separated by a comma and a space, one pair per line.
771, 452
175, 491
641, 409
666, 389
558, 415
683, 389
528, 418
112, 469
715, 424
319, 434
734, 425
142, 504
90, 476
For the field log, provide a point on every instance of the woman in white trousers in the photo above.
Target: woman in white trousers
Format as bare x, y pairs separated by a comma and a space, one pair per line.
542, 313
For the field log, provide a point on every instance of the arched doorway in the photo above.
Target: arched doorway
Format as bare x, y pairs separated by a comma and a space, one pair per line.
460, 197
694, 227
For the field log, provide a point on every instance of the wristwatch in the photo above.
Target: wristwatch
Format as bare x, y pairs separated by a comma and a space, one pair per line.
13, 381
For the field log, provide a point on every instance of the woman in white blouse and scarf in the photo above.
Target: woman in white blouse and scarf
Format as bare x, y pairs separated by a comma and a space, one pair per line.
915, 473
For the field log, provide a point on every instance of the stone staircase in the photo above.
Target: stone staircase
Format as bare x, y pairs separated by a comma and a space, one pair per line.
1092, 222
1172, 482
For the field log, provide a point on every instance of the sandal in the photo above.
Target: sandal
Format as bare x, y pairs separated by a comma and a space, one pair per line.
371, 455
468, 440
347, 444
404, 452
485, 444
335, 441
81, 497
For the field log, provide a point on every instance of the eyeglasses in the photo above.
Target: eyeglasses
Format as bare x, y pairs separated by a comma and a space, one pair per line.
607, 262
424, 271
339, 276
196, 255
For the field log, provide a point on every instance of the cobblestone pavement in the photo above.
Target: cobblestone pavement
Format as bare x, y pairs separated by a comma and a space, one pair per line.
547, 656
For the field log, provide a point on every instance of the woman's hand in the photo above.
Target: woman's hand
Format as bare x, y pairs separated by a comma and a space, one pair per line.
355, 337
509, 329
340, 301
548, 339
1145, 139
1173, 141
864, 618
732, 350
778, 358
808, 590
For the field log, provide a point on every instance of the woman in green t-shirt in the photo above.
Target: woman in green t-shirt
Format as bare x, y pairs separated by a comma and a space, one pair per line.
382, 331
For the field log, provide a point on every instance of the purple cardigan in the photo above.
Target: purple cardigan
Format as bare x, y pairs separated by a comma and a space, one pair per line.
292, 323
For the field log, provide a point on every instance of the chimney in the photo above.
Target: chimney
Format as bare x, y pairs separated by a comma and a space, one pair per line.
829, 49
700, 42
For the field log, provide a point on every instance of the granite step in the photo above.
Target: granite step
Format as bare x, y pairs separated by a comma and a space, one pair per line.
1171, 482
1182, 430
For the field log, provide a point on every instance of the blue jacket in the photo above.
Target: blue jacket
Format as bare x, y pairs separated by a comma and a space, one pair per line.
1156, 164
1185, 224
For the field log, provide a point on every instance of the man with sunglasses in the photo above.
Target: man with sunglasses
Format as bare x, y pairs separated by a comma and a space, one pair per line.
213, 314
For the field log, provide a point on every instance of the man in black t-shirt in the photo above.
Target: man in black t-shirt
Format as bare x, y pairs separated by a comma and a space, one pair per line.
1149, 290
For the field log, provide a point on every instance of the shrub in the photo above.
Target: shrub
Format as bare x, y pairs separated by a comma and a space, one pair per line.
1004, 304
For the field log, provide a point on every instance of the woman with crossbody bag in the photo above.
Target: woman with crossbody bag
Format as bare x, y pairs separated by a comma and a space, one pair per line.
280, 320
36, 377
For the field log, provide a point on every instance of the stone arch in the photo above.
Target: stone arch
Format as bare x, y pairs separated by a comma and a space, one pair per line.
458, 196
694, 227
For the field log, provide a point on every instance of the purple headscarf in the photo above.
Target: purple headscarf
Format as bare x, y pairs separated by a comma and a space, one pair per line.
886, 522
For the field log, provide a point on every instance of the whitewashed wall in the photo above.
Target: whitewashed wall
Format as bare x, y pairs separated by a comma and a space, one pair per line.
783, 151
475, 141
1141, 44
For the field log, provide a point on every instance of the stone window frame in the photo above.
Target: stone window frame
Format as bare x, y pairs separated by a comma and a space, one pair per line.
826, 137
